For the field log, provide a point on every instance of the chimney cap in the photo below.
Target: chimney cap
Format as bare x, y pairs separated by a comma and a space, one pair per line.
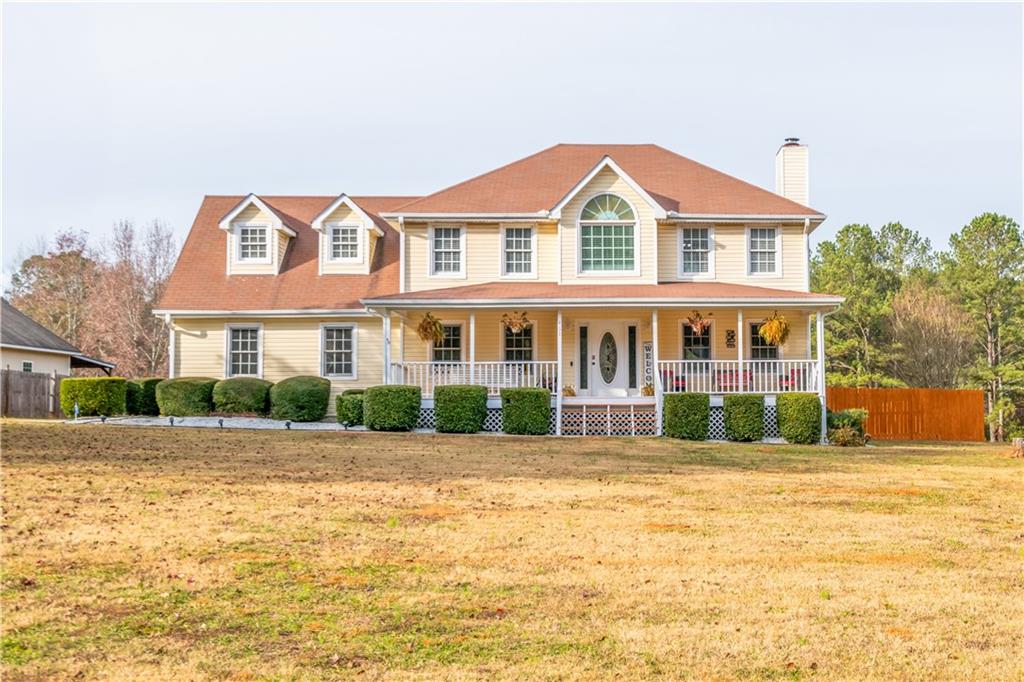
792, 140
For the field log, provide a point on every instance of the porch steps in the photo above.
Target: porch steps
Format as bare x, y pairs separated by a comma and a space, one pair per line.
596, 419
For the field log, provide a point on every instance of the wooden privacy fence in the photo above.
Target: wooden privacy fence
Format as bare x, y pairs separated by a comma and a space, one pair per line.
29, 394
915, 413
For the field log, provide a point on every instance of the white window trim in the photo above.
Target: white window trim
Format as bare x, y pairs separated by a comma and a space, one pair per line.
31, 366
749, 341
501, 342
462, 342
778, 251
580, 272
712, 247
461, 274
236, 234
360, 241
532, 274
711, 341
324, 326
258, 326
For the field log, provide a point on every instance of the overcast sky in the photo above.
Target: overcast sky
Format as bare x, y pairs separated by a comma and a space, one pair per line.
912, 113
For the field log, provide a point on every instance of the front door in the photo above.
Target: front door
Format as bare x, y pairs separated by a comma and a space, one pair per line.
608, 359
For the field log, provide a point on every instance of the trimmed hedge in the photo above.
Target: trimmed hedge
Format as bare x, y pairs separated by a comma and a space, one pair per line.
799, 416
353, 391
525, 411
300, 399
460, 409
392, 407
140, 396
348, 408
687, 415
744, 417
185, 396
241, 395
102, 396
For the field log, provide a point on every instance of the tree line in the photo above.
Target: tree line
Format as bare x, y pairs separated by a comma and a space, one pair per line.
100, 296
918, 317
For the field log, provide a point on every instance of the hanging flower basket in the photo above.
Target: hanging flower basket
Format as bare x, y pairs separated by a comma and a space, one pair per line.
774, 330
431, 329
515, 322
697, 323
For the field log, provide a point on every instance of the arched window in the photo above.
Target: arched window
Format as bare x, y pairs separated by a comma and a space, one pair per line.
607, 235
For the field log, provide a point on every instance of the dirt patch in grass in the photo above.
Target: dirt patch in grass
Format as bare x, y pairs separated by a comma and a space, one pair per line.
201, 554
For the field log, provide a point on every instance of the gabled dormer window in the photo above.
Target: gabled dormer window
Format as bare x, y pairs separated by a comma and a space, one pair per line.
253, 243
607, 235
346, 243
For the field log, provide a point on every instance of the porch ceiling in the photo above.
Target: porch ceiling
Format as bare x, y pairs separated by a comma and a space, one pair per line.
552, 294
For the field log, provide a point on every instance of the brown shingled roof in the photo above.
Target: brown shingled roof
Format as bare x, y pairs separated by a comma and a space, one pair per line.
539, 182
200, 280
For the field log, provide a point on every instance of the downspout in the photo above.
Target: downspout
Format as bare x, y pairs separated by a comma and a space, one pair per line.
170, 345
401, 254
807, 254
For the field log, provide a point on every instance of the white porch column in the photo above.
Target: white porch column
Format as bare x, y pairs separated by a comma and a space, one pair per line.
657, 376
559, 381
821, 375
472, 348
386, 326
739, 347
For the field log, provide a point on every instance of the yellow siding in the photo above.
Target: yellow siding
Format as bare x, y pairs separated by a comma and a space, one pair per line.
670, 335
277, 247
489, 335
46, 363
608, 181
483, 255
291, 347
344, 214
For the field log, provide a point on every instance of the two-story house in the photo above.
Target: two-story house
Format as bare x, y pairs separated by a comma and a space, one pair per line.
609, 252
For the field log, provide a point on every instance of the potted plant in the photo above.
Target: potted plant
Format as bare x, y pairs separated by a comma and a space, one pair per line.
647, 390
430, 329
774, 330
569, 390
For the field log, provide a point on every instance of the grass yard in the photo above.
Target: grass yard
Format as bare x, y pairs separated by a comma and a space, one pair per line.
181, 553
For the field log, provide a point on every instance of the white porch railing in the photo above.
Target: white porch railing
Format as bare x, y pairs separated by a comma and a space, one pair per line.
494, 375
726, 376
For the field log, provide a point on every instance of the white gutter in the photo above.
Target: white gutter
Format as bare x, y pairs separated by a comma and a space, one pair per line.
539, 215
36, 349
603, 303
744, 218
322, 312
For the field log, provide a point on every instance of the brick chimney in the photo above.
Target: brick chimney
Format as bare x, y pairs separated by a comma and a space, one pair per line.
791, 171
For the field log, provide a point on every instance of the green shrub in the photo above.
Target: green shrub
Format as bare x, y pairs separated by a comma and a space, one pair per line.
846, 436
300, 399
460, 409
140, 396
353, 391
744, 417
348, 408
686, 415
185, 396
525, 411
799, 417
391, 408
854, 417
241, 395
95, 396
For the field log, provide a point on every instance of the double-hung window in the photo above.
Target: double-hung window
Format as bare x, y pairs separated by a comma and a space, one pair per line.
607, 235
696, 252
517, 251
764, 256
243, 351
339, 351
253, 243
519, 345
26, 366
696, 346
446, 257
449, 349
344, 242
759, 348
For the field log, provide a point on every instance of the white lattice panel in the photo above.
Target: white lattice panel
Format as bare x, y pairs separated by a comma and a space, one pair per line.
716, 427
492, 422
771, 422
426, 420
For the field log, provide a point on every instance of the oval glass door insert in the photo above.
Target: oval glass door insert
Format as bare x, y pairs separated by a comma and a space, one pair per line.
608, 357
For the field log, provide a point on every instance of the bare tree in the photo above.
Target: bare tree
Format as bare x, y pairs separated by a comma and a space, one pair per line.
933, 335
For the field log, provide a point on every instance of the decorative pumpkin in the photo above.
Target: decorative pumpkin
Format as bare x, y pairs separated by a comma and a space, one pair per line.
515, 322
431, 329
697, 323
568, 390
647, 390
774, 330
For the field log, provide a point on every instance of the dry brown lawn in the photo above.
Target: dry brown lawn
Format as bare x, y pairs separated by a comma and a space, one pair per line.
184, 554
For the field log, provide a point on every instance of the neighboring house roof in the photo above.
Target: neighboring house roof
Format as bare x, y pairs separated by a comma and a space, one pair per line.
539, 182
540, 293
18, 330
200, 282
